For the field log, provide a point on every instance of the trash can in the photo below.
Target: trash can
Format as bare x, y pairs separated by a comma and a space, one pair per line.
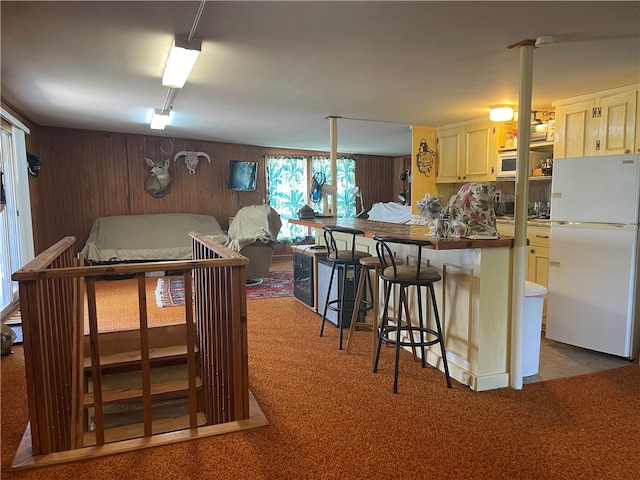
532, 327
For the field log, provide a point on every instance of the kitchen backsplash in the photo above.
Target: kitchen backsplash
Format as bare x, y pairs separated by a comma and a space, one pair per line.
539, 191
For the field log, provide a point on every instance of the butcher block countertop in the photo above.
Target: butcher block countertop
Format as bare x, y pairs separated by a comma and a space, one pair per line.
413, 232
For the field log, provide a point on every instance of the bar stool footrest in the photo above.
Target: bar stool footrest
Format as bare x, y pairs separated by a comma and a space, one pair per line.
416, 341
335, 305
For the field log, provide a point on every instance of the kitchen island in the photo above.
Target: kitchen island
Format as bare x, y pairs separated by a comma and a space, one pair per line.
473, 296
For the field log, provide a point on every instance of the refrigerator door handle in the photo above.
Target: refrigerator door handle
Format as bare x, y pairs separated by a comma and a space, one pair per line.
620, 226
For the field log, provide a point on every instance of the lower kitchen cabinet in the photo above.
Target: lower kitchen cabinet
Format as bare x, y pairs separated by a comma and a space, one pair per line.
537, 256
538, 260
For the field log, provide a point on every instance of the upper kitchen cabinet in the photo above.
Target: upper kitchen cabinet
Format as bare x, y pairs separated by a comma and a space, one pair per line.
599, 124
466, 152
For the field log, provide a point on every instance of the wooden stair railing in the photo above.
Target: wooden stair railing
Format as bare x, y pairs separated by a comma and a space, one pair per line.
221, 316
59, 360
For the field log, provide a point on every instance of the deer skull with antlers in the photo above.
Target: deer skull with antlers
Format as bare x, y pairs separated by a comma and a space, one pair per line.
158, 180
192, 159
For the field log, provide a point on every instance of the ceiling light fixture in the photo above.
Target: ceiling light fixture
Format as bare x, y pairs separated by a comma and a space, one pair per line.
182, 57
500, 113
160, 119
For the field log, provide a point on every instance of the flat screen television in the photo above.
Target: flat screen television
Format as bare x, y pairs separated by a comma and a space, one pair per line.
242, 175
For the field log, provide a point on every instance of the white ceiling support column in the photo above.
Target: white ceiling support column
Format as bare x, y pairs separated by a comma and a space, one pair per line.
333, 139
521, 212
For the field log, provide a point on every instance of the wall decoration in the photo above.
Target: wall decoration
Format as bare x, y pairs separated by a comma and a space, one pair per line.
158, 180
191, 159
425, 158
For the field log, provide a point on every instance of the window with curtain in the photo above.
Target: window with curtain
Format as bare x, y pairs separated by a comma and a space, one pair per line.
287, 191
346, 170
288, 180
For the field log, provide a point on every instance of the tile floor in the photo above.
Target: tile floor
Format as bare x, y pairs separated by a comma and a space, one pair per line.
559, 360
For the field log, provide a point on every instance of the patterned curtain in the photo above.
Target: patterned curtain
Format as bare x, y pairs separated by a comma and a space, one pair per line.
287, 188
346, 170
287, 191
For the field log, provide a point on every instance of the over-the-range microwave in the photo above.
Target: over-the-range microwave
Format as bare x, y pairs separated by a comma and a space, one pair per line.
507, 161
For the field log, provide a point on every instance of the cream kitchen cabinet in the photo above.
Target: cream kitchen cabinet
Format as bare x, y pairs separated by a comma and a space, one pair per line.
466, 152
538, 260
602, 124
537, 256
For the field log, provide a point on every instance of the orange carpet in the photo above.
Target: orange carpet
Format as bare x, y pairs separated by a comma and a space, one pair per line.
331, 418
117, 303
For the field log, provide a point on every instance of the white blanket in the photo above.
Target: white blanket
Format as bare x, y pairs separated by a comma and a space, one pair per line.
390, 212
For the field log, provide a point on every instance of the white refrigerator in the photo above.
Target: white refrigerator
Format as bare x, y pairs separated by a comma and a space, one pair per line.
593, 258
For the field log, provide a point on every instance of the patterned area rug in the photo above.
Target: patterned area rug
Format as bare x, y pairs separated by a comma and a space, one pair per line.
170, 290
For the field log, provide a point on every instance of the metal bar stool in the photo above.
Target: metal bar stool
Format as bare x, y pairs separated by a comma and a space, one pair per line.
367, 264
342, 261
405, 276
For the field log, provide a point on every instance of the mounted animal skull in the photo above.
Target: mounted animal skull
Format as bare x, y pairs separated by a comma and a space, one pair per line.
192, 159
158, 180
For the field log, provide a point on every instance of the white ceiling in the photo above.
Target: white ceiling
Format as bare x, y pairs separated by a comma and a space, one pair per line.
271, 72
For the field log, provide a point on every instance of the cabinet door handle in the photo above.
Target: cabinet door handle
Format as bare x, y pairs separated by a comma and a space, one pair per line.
533, 251
542, 236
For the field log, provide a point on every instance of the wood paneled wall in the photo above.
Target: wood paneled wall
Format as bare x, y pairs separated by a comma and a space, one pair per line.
88, 174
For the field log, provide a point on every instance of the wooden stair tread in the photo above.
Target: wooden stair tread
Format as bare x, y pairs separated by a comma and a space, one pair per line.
133, 393
127, 358
126, 432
